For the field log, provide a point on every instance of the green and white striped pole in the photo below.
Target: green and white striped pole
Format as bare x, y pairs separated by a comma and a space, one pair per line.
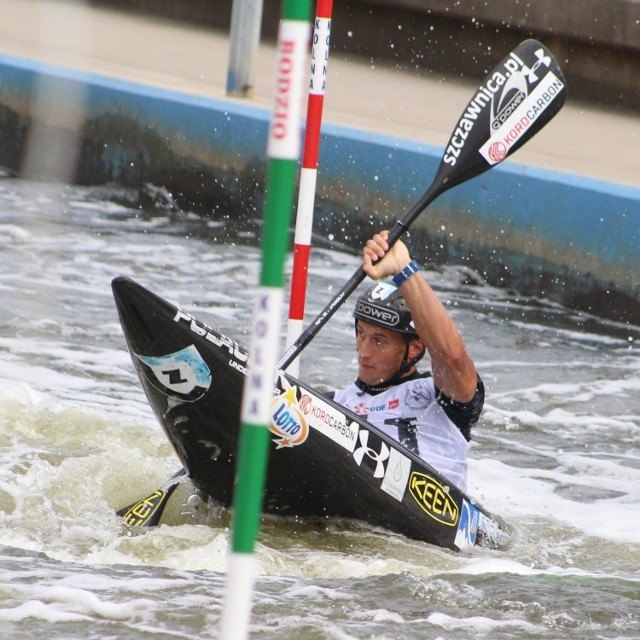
283, 149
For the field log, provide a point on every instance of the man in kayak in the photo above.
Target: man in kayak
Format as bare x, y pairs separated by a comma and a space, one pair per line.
431, 414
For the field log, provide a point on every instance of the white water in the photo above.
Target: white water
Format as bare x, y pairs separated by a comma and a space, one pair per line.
556, 454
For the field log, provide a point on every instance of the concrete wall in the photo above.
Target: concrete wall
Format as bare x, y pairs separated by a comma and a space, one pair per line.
598, 41
547, 234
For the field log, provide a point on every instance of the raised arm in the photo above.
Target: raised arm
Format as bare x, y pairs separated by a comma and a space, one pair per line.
453, 370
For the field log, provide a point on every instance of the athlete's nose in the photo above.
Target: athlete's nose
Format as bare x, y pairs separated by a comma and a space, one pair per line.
363, 347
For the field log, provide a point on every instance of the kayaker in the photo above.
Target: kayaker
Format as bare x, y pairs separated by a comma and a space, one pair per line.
430, 413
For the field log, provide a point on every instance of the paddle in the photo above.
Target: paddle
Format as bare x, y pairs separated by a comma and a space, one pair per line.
516, 99
148, 511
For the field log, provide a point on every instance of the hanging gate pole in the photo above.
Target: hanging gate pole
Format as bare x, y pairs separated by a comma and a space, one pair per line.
246, 19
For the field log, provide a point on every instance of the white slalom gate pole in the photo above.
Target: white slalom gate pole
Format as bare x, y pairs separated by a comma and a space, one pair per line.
308, 174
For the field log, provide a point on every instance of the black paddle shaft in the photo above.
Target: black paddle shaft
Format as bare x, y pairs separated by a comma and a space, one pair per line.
517, 98
351, 285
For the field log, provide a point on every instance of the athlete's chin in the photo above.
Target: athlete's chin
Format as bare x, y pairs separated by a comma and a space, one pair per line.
369, 377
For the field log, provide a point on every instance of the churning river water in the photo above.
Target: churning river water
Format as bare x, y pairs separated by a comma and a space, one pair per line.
556, 453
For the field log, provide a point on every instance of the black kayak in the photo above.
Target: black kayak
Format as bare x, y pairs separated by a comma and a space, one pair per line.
324, 460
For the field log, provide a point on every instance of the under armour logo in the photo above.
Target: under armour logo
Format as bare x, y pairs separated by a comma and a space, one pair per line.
531, 72
378, 457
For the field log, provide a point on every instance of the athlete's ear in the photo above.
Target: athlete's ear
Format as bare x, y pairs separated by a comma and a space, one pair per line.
416, 348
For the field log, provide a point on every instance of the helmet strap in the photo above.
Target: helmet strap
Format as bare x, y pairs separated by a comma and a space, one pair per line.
407, 362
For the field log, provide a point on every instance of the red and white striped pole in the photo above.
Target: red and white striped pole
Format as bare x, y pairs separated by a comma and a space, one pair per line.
308, 175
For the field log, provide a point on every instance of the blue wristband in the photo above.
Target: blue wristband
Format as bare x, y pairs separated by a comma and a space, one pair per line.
406, 273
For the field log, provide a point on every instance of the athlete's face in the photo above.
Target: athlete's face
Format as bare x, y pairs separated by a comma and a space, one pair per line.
380, 352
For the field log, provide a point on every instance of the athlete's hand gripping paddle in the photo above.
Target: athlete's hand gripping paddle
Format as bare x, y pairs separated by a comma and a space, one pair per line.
518, 97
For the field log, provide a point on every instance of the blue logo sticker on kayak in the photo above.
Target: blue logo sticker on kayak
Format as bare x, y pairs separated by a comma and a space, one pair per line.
468, 526
183, 373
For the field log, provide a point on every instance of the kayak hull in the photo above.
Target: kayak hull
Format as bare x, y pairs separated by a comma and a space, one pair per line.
324, 461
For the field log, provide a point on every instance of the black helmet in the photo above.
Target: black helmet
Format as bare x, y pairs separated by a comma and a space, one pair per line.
384, 306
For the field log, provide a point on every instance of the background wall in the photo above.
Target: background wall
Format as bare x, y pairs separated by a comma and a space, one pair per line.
597, 41
542, 233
